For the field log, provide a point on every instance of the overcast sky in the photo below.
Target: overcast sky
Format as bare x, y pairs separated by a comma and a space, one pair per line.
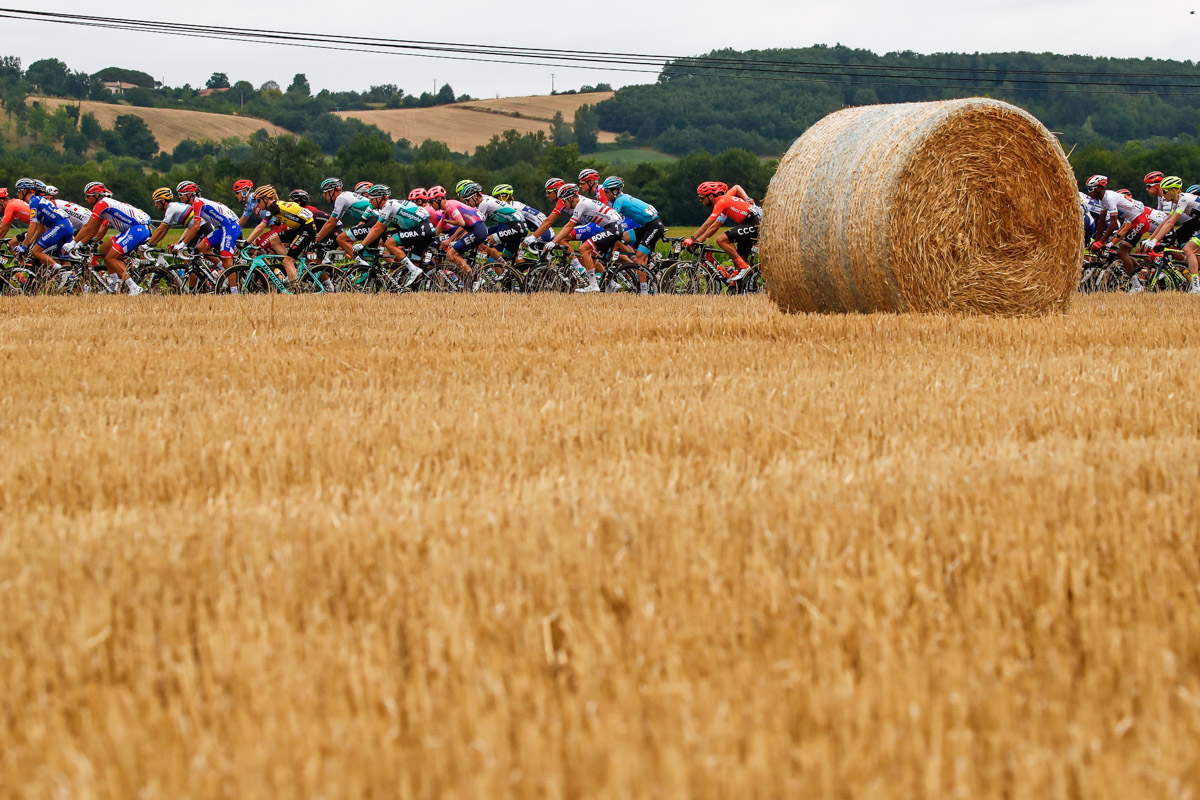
676, 27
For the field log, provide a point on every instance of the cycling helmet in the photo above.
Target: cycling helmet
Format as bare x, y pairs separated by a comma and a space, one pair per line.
25, 185
1096, 182
418, 194
96, 189
38, 186
50, 191
567, 191
502, 190
362, 187
435, 193
461, 185
470, 190
1171, 182
553, 184
164, 195
242, 186
1125, 193
1153, 178
300, 196
613, 184
588, 174
264, 191
711, 189
187, 187
3, 193
379, 190
329, 184
1195, 187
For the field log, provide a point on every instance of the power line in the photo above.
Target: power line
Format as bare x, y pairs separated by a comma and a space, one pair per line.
765, 69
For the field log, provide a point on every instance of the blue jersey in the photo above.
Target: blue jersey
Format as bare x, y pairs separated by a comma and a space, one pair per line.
43, 211
636, 210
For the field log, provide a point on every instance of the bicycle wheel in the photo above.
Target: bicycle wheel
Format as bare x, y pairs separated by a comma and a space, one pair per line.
621, 279
545, 278
157, 280
685, 277
505, 279
18, 280
243, 279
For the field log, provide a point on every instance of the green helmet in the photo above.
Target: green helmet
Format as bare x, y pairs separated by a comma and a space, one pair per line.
470, 190
329, 184
1171, 182
461, 185
502, 190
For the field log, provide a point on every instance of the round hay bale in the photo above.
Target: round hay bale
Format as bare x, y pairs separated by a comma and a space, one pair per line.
958, 206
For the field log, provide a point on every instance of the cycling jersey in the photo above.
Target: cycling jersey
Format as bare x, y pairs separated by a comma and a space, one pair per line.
354, 209
121, 216
289, 215
636, 210
404, 214
179, 214
1116, 204
497, 212
44, 212
252, 209
218, 214
15, 211
588, 210
77, 214
458, 212
533, 217
1089, 204
1186, 207
736, 210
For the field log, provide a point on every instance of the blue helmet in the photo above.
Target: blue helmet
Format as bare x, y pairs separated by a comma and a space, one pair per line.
1195, 187
613, 183
26, 185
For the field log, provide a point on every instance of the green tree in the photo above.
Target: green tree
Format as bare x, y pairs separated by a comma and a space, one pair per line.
49, 75
89, 126
289, 162
299, 86
130, 136
560, 132
445, 95
218, 80
587, 128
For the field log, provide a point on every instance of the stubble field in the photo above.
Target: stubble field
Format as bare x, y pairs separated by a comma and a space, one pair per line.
572, 547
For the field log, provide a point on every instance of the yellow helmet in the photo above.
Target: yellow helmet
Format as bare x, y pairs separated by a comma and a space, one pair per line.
164, 194
266, 190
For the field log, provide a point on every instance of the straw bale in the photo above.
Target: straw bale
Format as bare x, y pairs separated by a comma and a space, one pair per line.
958, 206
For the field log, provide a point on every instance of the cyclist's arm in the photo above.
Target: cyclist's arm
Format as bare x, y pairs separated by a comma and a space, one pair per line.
36, 229
1166, 226
545, 226
327, 228
1124, 229
6, 221
258, 229
706, 230
567, 230
1109, 227
375, 234
192, 233
89, 231
740, 192
158, 234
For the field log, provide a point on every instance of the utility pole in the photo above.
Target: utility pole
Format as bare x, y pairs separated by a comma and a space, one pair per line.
551, 83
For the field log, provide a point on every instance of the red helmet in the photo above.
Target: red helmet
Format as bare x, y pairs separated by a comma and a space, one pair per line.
711, 189
588, 175
244, 185
435, 193
3, 193
1096, 181
418, 194
187, 187
96, 188
553, 185
1153, 178
362, 187
1125, 192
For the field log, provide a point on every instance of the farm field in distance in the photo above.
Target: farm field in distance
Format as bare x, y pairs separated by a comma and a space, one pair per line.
589, 547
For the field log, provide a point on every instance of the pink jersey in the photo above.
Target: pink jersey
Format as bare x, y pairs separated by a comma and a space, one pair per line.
461, 213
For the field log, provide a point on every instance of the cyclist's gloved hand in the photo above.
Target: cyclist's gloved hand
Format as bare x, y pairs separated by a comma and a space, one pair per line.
69, 247
688, 242
528, 240
357, 249
1150, 244
179, 248
19, 250
550, 246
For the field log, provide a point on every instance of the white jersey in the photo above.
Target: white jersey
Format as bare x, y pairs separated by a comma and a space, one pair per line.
178, 214
77, 214
1186, 207
1116, 204
1089, 204
1157, 218
588, 210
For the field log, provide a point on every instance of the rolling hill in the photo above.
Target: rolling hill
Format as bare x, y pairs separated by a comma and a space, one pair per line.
467, 125
171, 126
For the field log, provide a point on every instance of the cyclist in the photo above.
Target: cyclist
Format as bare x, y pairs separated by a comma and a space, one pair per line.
352, 211
224, 221
732, 205
1131, 215
589, 184
647, 227
177, 215
414, 231
1151, 182
49, 227
1185, 215
130, 224
532, 216
15, 210
297, 221
505, 224
1092, 211
75, 212
465, 226
301, 197
588, 211
362, 187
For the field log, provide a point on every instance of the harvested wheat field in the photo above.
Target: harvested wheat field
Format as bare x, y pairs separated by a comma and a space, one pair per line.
172, 125
467, 125
567, 547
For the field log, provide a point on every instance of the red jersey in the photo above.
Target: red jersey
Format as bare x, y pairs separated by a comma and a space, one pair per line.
15, 211
731, 207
